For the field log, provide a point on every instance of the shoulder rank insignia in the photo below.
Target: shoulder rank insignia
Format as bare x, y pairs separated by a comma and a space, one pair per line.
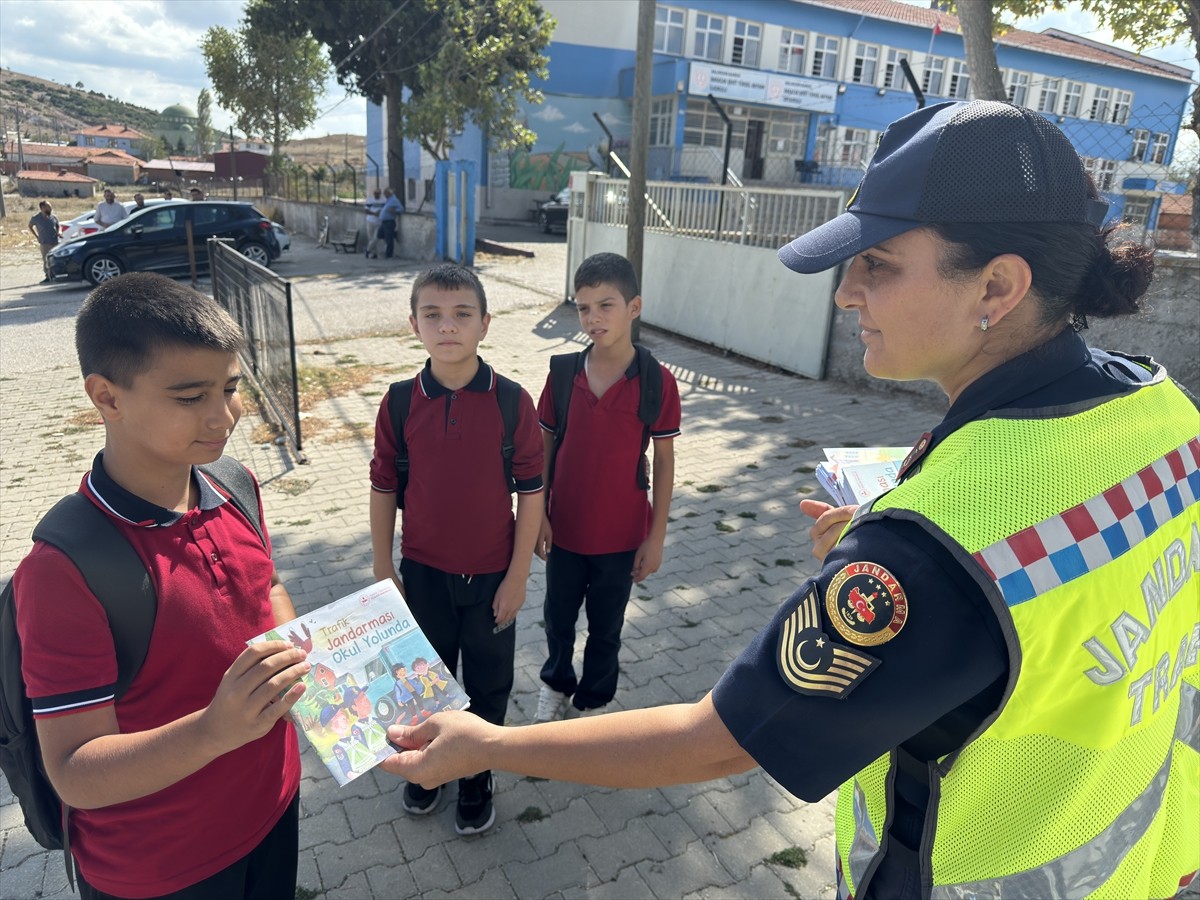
810, 663
866, 604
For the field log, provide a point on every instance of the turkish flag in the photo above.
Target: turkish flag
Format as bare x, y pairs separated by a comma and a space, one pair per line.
937, 26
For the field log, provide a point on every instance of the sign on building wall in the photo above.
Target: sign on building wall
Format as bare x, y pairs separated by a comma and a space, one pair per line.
768, 88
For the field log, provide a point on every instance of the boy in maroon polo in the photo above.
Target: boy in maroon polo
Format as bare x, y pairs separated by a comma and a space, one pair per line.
188, 782
601, 532
464, 560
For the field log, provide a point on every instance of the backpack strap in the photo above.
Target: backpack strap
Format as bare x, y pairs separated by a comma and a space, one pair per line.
649, 406
508, 395
399, 398
233, 477
563, 369
114, 573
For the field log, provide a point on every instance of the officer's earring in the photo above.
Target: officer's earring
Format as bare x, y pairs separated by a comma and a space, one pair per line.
983, 324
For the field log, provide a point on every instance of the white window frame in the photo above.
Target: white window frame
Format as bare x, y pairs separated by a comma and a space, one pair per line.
933, 76
1017, 85
792, 47
959, 86
1103, 171
1121, 105
747, 44
1158, 148
704, 125
706, 29
825, 56
1143, 205
1101, 98
662, 122
1048, 96
1141, 140
893, 73
866, 63
670, 22
853, 147
1072, 98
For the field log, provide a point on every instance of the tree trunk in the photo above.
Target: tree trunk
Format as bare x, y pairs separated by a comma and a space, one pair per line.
394, 107
978, 26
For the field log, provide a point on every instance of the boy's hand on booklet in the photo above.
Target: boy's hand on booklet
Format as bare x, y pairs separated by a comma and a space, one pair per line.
256, 691
444, 747
545, 536
830, 521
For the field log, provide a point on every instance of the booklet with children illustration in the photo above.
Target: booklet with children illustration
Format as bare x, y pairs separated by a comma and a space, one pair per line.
854, 475
372, 667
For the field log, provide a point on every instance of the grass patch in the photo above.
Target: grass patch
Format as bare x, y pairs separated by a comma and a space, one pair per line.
785, 562
265, 433
804, 470
331, 510
761, 578
725, 529
751, 465
348, 359
318, 383
293, 487
690, 515
747, 514
530, 814
303, 893
792, 858
688, 623
805, 489
802, 443
82, 418
710, 488
299, 522
771, 420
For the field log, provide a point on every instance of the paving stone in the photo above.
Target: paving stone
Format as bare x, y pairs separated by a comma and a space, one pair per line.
564, 869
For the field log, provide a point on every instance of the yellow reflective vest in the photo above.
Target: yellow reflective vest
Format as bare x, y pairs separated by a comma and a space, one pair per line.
1084, 529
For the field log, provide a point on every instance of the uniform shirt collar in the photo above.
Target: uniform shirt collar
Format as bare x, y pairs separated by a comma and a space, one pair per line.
631, 371
484, 381
134, 509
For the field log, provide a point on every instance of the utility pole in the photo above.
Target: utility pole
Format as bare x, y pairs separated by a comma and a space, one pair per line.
635, 222
233, 161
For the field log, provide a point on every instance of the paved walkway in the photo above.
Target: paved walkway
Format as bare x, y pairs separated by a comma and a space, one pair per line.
736, 547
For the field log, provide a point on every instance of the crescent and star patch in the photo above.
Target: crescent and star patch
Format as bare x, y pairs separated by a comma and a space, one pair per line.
866, 604
810, 663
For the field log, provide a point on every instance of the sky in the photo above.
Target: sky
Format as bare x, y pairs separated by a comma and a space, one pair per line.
147, 51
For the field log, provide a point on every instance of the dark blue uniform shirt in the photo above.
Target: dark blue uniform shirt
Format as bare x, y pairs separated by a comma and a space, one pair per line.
943, 673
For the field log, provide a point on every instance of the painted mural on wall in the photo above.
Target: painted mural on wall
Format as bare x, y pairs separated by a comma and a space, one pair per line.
569, 139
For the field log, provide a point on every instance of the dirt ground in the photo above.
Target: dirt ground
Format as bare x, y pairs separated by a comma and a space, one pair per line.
16, 241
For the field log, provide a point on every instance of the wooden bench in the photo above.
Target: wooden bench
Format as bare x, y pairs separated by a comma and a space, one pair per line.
347, 243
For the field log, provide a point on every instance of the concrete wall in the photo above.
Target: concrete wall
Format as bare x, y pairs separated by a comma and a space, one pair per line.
417, 231
508, 204
1169, 331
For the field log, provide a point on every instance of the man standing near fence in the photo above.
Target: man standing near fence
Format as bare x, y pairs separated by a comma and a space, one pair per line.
373, 205
389, 220
44, 227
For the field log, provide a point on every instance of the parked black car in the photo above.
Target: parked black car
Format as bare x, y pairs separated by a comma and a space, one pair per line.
553, 213
155, 240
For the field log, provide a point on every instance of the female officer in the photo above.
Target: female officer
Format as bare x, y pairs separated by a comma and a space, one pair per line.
998, 660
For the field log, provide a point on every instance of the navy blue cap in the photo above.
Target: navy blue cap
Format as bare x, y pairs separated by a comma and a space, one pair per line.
975, 162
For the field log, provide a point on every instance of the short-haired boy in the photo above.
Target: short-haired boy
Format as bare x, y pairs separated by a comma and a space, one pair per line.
190, 780
601, 532
464, 561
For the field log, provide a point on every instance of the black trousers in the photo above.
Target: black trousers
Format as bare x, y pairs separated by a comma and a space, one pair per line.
601, 584
268, 872
455, 612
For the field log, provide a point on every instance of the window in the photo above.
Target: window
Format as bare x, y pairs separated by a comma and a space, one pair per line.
668, 30
1048, 98
934, 75
160, 220
893, 74
1158, 149
791, 52
662, 122
852, 151
960, 81
1018, 88
1122, 101
747, 44
1102, 171
1072, 98
704, 127
866, 64
825, 57
1141, 140
1137, 210
1100, 105
710, 30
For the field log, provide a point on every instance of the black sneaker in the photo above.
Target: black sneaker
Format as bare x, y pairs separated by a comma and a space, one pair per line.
418, 801
475, 813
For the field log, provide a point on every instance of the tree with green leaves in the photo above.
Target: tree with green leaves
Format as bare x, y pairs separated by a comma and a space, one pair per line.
204, 129
1144, 23
432, 64
269, 79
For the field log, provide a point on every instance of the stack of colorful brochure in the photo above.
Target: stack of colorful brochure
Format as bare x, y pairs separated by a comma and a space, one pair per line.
854, 475
372, 667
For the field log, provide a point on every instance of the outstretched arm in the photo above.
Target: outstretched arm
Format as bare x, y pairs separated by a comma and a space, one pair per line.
677, 744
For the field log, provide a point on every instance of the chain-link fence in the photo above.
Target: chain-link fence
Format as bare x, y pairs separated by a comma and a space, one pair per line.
318, 184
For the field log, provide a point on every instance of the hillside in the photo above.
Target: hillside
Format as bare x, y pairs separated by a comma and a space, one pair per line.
50, 111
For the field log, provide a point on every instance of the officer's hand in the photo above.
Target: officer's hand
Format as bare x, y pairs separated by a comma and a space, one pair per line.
830, 521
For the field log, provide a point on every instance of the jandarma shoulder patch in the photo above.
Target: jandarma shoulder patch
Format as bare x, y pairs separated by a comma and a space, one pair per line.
810, 663
867, 604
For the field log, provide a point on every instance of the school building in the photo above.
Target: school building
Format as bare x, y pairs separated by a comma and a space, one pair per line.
797, 92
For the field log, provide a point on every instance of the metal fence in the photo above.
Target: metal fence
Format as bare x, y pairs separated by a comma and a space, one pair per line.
261, 303
752, 217
318, 184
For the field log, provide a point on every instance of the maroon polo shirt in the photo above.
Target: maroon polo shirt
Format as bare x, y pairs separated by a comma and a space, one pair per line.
596, 505
458, 514
212, 576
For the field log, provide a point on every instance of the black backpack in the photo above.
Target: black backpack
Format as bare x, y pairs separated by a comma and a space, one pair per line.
508, 396
563, 369
116, 576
